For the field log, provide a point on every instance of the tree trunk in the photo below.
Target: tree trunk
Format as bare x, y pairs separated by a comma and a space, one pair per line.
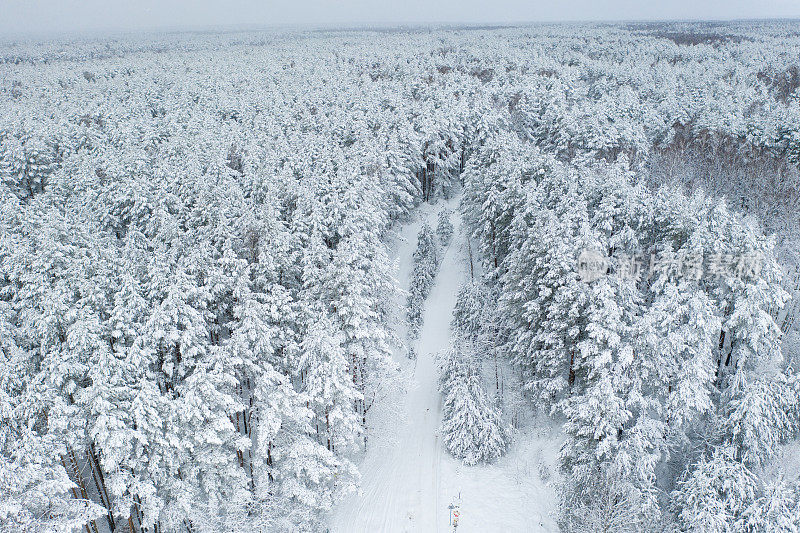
100, 484
571, 377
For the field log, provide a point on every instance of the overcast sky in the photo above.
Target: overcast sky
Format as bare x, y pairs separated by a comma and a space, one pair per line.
50, 16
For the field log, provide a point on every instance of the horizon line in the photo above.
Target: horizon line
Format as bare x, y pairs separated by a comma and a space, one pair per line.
40, 35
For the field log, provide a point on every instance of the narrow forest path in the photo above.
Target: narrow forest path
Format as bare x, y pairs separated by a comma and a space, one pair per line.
408, 479
400, 484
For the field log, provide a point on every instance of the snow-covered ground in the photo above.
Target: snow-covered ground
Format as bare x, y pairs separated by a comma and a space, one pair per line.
409, 480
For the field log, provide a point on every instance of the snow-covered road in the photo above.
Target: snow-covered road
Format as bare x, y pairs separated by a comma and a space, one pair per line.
400, 484
408, 479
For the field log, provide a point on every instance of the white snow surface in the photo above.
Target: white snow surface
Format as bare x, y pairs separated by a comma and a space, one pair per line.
408, 478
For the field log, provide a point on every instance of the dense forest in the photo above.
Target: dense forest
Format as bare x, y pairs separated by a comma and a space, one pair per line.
195, 286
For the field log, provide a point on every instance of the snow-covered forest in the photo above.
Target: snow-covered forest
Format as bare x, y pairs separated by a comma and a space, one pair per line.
337, 280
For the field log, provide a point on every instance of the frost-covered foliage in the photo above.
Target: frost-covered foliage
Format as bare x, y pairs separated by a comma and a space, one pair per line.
194, 286
41, 498
426, 261
639, 363
714, 497
444, 227
674, 350
426, 264
193, 279
471, 314
26, 164
472, 428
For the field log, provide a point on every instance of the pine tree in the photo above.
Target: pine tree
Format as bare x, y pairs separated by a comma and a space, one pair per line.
426, 264
39, 496
776, 509
470, 315
36, 492
444, 228
472, 428
328, 386
26, 165
715, 494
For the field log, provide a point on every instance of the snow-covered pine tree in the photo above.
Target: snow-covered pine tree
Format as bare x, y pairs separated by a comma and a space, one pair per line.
328, 385
472, 427
36, 492
37, 496
598, 416
776, 509
471, 314
542, 298
359, 284
426, 261
426, 264
444, 228
395, 172
715, 495
320, 474
494, 193
26, 164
